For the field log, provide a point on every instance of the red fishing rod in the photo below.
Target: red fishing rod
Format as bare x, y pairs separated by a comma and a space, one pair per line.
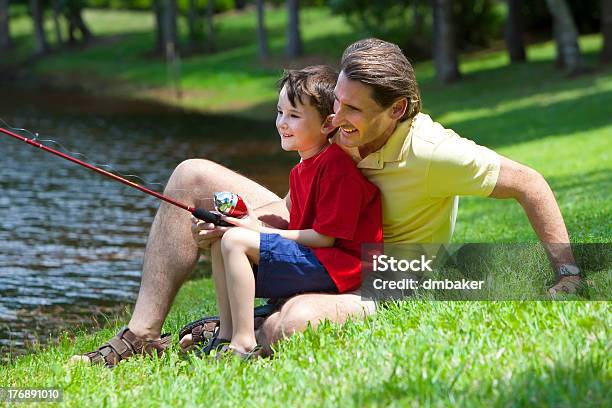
199, 213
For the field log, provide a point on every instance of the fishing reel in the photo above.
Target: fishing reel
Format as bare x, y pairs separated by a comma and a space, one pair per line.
225, 203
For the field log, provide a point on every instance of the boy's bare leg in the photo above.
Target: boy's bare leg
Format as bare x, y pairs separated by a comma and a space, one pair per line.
300, 310
219, 277
171, 253
240, 247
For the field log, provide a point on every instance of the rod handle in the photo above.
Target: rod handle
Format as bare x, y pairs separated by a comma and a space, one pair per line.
211, 217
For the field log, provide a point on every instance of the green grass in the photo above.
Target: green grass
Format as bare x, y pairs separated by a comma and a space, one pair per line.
417, 353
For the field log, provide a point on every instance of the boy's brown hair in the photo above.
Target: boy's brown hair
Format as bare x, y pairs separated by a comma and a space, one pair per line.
314, 84
383, 66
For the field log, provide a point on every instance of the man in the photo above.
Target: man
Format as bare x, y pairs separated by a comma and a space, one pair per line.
420, 167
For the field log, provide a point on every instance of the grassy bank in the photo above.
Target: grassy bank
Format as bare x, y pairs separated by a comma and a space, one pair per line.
418, 353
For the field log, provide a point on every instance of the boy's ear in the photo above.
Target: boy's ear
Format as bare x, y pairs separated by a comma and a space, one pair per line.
327, 128
399, 108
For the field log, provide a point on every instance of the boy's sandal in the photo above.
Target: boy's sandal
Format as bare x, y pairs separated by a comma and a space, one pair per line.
226, 351
126, 344
205, 329
216, 344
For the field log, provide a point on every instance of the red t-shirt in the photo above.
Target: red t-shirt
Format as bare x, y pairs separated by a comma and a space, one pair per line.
330, 195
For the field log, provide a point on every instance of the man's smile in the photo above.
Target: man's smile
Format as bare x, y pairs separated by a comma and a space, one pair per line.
348, 129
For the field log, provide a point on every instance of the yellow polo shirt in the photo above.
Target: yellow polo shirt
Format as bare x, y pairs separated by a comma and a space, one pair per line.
421, 171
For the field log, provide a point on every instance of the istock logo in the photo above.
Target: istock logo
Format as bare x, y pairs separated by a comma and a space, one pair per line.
383, 263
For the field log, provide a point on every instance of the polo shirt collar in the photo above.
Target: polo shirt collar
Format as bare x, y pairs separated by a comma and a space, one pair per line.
390, 151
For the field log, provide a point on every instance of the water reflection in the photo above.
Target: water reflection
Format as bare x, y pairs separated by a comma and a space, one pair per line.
71, 241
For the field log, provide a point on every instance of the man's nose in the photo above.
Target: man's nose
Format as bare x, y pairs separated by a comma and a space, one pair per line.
337, 117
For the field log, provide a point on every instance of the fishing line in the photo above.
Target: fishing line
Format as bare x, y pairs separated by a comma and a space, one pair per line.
109, 167
197, 212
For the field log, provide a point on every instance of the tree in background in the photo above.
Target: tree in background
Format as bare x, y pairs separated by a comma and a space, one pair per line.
74, 15
295, 47
606, 30
57, 28
514, 31
566, 37
192, 23
5, 33
42, 45
158, 10
444, 49
210, 28
262, 38
169, 29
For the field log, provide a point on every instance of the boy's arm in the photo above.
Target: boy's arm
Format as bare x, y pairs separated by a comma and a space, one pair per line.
275, 214
308, 237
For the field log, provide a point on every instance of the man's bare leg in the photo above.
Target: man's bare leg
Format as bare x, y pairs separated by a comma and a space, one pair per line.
171, 253
313, 308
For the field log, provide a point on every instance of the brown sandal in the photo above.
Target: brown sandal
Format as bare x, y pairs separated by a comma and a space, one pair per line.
228, 352
126, 344
204, 330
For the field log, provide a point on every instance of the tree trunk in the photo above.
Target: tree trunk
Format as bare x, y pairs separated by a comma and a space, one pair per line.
514, 31
42, 45
262, 36
74, 11
606, 30
210, 28
444, 49
169, 28
171, 45
240, 4
566, 37
295, 47
192, 16
158, 10
418, 18
5, 33
57, 11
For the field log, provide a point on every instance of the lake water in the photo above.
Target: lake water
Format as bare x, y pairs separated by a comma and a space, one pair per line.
68, 235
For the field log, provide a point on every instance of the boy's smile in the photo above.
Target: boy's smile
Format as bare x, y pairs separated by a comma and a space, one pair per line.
299, 126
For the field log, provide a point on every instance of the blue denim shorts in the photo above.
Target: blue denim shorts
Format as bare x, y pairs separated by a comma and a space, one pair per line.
287, 268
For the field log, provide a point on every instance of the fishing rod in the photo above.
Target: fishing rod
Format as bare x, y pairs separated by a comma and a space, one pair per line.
199, 213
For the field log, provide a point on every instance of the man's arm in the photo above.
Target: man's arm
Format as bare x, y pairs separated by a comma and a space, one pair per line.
531, 190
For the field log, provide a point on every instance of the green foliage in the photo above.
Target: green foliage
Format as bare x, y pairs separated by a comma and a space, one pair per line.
183, 5
477, 22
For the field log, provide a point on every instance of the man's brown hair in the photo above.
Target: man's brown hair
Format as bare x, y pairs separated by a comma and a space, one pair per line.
316, 83
383, 67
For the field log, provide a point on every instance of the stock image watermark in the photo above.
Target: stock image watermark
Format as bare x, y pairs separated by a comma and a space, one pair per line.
485, 271
8, 394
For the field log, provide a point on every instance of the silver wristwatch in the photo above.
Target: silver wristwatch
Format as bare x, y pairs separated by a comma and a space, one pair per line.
569, 270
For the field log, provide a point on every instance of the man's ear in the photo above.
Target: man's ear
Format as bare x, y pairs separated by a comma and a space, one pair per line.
327, 128
399, 108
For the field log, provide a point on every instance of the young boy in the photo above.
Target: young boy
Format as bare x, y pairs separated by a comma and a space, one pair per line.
333, 210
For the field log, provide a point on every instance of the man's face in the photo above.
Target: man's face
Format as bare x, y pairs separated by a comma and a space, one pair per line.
360, 118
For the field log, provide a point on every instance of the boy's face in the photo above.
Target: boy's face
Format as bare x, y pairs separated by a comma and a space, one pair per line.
299, 127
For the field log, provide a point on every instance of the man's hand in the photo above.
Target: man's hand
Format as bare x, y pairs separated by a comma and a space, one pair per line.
205, 233
566, 284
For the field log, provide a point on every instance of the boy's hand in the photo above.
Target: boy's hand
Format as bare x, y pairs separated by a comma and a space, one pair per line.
249, 222
205, 233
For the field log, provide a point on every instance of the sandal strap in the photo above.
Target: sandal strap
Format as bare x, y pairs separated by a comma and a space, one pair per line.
126, 344
226, 351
